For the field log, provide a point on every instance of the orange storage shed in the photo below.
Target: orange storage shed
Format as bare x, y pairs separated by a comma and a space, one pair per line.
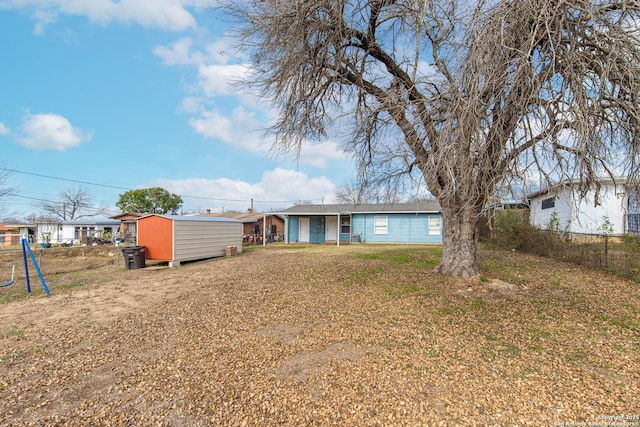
178, 238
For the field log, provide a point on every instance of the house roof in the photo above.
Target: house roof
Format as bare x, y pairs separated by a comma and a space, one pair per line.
9, 226
128, 216
425, 206
245, 217
91, 221
556, 188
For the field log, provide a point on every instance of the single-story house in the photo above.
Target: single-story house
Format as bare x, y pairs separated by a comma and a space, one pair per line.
255, 224
38, 232
49, 232
75, 231
61, 232
415, 222
617, 201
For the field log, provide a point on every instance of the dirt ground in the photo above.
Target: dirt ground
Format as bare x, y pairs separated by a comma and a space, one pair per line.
351, 336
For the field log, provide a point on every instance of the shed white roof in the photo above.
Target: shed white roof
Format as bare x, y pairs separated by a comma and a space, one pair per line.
190, 218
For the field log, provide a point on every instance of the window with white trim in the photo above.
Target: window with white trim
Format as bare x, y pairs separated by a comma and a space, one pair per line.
549, 203
380, 225
435, 225
345, 224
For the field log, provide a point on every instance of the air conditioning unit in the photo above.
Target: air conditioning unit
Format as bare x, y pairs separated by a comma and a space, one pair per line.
355, 238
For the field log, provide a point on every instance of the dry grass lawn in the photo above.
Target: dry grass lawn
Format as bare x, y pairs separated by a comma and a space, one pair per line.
360, 335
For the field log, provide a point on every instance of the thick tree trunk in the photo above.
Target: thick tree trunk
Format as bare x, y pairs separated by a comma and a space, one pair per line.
460, 242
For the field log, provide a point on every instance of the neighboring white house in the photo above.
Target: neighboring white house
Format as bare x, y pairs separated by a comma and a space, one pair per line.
69, 231
616, 201
49, 232
74, 231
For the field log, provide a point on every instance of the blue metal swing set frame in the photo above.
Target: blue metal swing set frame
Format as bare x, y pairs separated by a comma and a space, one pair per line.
26, 248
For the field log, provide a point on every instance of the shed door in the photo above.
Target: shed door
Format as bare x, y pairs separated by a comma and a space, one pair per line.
304, 229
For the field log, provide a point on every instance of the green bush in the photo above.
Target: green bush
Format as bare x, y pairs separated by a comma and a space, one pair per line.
512, 230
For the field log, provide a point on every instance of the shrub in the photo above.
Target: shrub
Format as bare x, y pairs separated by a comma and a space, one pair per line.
511, 230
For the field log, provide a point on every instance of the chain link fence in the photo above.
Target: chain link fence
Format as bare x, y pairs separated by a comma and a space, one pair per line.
57, 260
510, 229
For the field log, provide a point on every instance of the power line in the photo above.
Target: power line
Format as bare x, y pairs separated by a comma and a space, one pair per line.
30, 198
85, 208
64, 179
131, 189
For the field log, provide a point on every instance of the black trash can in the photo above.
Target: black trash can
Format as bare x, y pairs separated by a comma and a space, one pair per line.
134, 257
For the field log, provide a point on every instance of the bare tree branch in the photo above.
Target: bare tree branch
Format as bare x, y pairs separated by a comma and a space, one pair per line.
72, 203
463, 95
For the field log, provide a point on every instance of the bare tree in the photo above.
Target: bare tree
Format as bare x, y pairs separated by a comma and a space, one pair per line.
350, 193
34, 218
6, 188
72, 203
360, 192
459, 93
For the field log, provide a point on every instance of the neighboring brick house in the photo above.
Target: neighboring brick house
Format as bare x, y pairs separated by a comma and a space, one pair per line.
10, 234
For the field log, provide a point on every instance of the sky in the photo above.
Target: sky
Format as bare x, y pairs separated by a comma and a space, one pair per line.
114, 95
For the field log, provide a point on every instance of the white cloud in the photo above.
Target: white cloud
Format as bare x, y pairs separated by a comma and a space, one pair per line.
190, 104
218, 79
169, 15
201, 50
277, 189
4, 130
179, 53
317, 154
183, 53
212, 124
215, 64
241, 129
51, 132
223, 51
291, 185
42, 18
